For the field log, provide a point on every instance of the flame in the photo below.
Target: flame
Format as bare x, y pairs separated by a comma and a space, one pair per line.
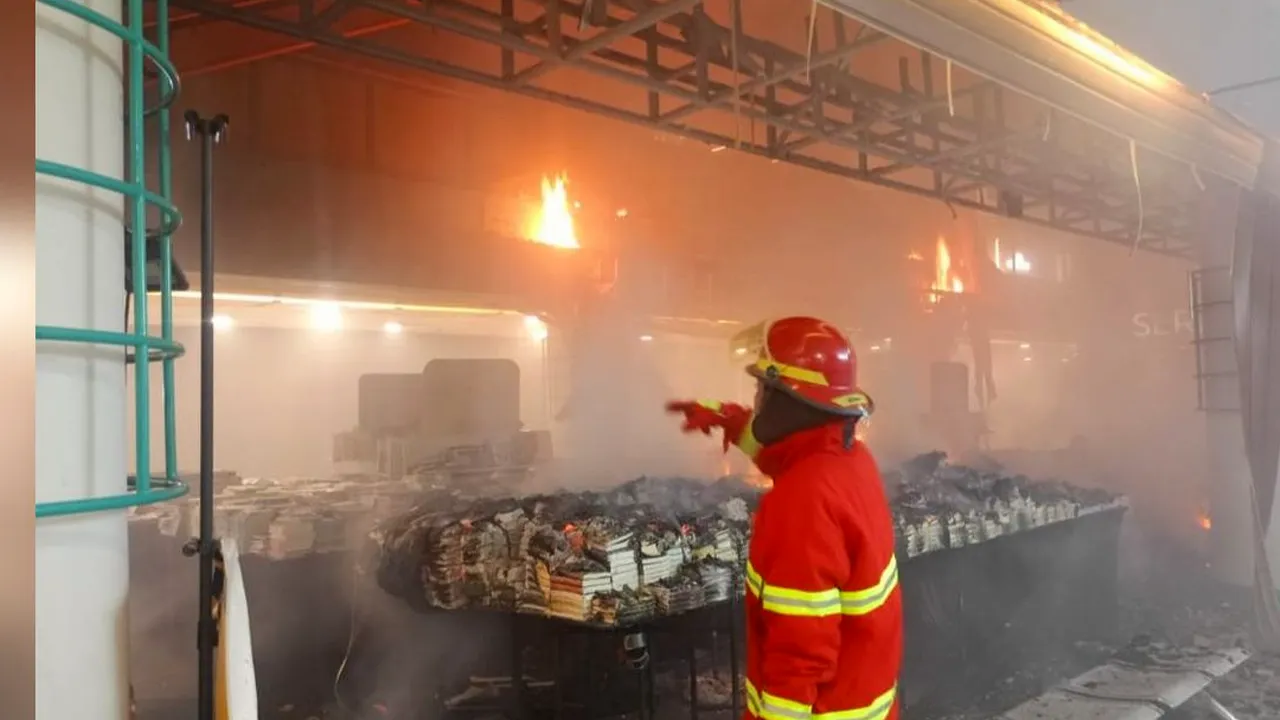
945, 278
1205, 522
553, 224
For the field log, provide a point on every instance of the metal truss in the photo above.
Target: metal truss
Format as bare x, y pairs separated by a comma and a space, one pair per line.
670, 66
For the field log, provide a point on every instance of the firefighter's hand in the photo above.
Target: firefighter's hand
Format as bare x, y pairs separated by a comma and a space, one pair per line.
736, 421
699, 415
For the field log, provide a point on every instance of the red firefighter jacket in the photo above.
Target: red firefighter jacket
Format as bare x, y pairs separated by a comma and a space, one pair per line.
824, 613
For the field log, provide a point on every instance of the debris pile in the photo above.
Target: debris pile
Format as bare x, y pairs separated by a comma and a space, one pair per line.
666, 546
941, 506
285, 518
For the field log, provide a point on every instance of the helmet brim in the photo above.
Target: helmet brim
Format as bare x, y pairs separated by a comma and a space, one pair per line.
842, 403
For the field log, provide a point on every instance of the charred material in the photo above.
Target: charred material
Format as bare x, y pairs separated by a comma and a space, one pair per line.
655, 547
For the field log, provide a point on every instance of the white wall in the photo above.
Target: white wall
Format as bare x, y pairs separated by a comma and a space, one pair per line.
280, 395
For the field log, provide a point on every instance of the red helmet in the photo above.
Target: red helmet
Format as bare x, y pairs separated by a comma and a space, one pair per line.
811, 361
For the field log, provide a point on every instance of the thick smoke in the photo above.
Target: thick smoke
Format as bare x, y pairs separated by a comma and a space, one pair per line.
613, 423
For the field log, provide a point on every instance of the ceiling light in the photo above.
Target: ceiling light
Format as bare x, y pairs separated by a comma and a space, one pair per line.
622, 212
536, 328
646, 338
222, 322
391, 327
875, 348
1025, 346
257, 299
1026, 358
326, 317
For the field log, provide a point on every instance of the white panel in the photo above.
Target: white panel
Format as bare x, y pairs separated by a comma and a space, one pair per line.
1122, 691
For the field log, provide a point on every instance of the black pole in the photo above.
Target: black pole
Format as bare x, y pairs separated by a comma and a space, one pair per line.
210, 132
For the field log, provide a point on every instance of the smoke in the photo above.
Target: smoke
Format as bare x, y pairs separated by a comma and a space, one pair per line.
613, 423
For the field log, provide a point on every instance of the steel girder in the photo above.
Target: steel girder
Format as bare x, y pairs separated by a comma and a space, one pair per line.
706, 79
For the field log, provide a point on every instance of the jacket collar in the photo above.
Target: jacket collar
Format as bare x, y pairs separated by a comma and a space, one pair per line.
774, 460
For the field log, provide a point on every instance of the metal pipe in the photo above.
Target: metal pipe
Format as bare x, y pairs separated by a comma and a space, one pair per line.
210, 132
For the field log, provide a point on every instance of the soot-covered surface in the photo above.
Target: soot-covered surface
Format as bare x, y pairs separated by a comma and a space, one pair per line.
1169, 599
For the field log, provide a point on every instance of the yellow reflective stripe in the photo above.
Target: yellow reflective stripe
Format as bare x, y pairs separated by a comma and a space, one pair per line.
747, 442
852, 400
786, 601
791, 372
878, 709
771, 707
753, 703
861, 602
712, 405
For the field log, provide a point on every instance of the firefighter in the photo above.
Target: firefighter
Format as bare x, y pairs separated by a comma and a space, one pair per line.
824, 612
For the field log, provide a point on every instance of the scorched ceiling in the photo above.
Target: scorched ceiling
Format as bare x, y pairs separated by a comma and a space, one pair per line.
791, 81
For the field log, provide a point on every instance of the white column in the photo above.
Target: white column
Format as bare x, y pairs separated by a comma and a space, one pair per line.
82, 562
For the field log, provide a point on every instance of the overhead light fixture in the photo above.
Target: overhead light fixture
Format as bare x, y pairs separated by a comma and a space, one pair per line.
646, 338
391, 327
222, 322
875, 348
326, 316
255, 299
1026, 358
1025, 346
536, 328
622, 212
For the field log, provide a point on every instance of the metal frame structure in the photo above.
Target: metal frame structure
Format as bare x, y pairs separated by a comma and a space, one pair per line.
937, 132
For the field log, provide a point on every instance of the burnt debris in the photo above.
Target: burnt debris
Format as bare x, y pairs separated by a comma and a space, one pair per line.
666, 546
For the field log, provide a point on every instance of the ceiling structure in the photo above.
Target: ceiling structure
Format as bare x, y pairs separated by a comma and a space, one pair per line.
856, 102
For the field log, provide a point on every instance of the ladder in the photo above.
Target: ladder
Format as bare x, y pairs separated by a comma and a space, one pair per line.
1212, 322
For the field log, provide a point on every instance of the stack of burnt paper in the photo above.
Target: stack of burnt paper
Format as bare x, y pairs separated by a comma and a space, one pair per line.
667, 546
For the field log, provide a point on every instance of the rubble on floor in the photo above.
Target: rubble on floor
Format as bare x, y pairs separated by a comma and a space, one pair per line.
1172, 603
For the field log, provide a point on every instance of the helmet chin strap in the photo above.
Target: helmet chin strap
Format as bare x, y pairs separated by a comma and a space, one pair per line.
850, 429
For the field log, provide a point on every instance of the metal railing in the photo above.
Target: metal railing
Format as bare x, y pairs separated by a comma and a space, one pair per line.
144, 486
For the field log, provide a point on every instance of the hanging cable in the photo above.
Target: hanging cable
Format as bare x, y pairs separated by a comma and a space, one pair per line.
1048, 127
1195, 175
353, 632
808, 49
951, 95
1273, 79
1137, 184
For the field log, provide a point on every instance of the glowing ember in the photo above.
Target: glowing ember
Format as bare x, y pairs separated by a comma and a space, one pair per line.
553, 224
945, 278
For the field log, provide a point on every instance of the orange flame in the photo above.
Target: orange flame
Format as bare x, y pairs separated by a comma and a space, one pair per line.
553, 224
1205, 522
945, 278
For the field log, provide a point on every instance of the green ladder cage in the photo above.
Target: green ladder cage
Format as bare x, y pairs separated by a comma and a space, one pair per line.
144, 486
